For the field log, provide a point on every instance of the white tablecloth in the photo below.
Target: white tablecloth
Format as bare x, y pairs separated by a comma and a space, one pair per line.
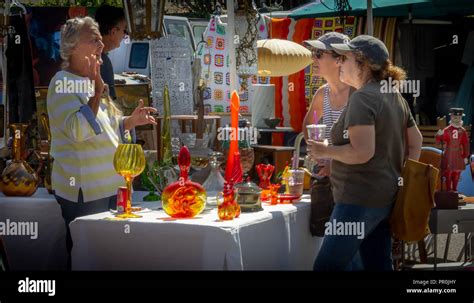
277, 238
48, 251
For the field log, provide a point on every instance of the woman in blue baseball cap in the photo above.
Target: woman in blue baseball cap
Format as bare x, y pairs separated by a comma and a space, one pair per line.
327, 105
367, 158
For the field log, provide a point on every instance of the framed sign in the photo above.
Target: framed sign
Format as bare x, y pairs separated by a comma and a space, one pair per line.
145, 18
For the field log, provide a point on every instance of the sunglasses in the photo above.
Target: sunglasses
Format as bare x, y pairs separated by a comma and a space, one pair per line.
319, 53
341, 59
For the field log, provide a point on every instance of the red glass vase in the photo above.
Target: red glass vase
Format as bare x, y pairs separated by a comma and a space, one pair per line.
184, 198
265, 172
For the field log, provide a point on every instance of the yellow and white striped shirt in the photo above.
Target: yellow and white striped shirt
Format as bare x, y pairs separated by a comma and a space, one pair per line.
82, 145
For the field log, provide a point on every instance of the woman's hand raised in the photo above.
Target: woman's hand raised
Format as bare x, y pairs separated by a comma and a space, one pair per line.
93, 73
140, 116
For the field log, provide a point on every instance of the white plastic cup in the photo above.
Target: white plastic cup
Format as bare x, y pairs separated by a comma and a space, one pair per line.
296, 181
316, 132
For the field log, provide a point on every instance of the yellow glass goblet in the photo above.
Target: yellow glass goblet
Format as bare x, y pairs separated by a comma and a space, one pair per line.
129, 162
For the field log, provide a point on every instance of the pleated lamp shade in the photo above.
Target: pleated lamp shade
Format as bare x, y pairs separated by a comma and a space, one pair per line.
277, 57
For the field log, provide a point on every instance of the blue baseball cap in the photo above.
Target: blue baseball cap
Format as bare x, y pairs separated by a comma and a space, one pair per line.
324, 42
372, 48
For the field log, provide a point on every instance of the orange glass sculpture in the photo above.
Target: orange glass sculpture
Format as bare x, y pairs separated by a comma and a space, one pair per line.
234, 124
184, 198
265, 172
129, 162
18, 178
227, 206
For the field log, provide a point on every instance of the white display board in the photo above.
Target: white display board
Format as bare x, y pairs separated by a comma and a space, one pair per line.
170, 60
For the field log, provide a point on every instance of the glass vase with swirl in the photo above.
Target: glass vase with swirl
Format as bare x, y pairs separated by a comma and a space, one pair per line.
184, 198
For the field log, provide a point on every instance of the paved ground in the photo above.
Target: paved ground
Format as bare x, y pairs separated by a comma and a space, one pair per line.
456, 246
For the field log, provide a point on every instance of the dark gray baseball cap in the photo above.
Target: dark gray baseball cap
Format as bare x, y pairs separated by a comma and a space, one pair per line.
372, 48
324, 42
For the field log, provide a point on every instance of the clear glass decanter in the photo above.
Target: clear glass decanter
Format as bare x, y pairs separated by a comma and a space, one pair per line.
214, 182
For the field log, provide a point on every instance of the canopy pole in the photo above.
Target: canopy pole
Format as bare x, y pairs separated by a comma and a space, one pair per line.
370, 19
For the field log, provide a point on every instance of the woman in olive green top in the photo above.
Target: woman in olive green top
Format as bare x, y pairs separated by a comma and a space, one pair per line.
367, 158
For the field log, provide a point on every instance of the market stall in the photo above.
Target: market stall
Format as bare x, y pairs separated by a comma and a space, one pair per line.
208, 213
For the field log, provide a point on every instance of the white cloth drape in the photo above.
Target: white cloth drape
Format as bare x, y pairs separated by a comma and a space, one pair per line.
277, 238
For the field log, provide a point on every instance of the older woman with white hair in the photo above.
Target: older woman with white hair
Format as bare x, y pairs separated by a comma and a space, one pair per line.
86, 127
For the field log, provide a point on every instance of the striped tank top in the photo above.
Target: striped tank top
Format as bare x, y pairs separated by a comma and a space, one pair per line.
330, 115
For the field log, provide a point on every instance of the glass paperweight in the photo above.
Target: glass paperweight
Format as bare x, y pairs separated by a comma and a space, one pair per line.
214, 182
184, 198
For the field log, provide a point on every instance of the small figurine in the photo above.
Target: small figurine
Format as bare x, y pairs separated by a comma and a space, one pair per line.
285, 178
455, 145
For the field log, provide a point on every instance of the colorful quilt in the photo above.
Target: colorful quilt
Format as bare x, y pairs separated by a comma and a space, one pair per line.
215, 68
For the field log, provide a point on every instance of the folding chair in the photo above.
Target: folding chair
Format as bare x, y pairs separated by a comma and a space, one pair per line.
429, 155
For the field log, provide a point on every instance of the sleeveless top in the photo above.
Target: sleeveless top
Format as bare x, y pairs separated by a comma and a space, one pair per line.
330, 115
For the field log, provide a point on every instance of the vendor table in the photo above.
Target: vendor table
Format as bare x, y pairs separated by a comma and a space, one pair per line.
48, 250
277, 238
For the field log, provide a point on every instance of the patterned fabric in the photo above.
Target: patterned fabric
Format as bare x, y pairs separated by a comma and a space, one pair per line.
215, 68
82, 145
